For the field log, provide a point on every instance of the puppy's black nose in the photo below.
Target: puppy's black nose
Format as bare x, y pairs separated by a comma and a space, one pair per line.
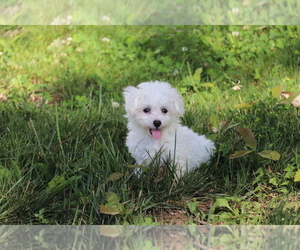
157, 123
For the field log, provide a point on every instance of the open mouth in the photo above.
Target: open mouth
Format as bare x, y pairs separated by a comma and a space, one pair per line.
156, 133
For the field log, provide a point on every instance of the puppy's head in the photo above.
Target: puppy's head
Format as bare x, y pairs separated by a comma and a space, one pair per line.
154, 106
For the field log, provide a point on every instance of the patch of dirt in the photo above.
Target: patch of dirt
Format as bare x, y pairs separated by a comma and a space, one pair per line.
172, 216
169, 238
179, 216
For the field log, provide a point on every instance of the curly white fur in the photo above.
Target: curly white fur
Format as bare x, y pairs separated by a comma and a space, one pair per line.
153, 110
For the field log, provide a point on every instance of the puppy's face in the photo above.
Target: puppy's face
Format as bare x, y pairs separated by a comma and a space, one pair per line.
154, 117
154, 106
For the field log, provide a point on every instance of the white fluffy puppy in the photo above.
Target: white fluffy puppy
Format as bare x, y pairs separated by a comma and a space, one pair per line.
153, 110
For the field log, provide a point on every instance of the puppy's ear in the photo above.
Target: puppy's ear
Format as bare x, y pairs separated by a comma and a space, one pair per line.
131, 94
178, 103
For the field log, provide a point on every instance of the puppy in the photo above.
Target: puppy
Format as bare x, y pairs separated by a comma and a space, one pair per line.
153, 110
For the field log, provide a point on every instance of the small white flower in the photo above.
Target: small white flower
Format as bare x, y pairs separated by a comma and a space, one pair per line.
1, 53
105, 39
184, 48
175, 72
214, 130
115, 104
68, 40
56, 43
79, 49
235, 33
106, 18
237, 86
235, 11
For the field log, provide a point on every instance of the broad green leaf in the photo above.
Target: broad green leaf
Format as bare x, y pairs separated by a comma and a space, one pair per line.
108, 210
243, 105
289, 171
114, 176
110, 230
285, 183
58, 183
112, 199
113, 205
269, 154
57, 180
280, 43
274, 181
222, 202
297, 176
276, 92
240, 153
248, 136
148, 220
197, 74
193, 207
214, 121
292, 205
5, 173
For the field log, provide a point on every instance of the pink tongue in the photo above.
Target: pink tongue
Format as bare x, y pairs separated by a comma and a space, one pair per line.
156, 133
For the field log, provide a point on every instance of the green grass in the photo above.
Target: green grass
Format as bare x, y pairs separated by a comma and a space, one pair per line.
63, 158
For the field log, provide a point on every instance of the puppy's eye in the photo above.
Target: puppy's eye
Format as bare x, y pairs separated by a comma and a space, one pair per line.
146, 110
164, 111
